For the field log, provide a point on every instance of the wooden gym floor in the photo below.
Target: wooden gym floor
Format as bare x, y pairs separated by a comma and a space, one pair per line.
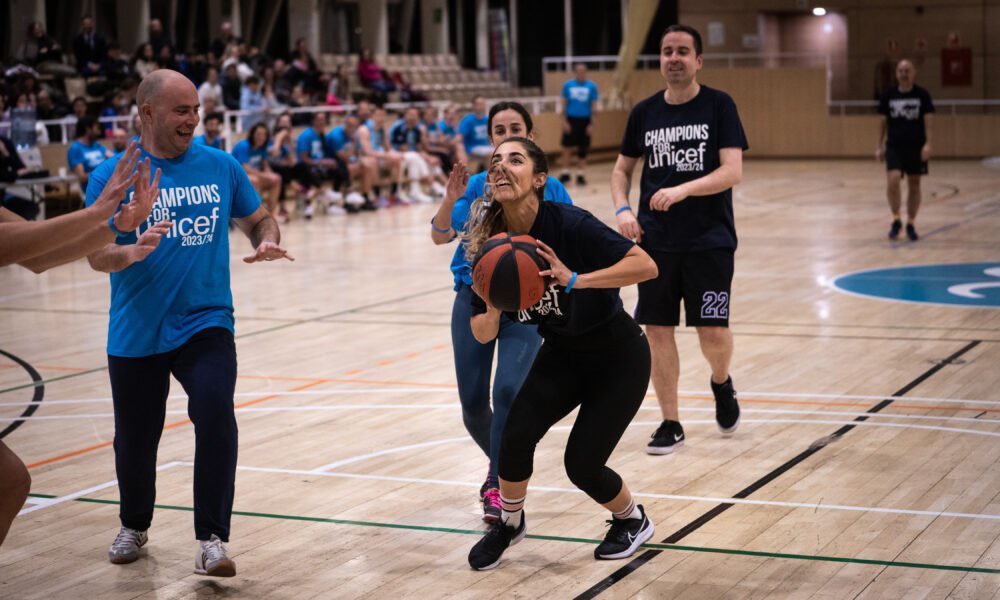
867, 463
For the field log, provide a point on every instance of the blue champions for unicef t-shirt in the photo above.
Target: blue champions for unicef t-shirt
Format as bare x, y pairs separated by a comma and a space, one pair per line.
475, 131
244, 153
579, 97
89, 156
310, 143
554, 192
338, 140
182, 287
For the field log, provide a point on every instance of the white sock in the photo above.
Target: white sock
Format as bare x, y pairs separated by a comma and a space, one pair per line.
512, 511
631, 512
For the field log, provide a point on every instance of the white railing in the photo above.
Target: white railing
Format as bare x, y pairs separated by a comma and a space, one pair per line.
729, 59
946, 106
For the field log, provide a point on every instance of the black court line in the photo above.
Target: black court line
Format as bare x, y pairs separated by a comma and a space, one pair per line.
813, 448
35, 400
41, 382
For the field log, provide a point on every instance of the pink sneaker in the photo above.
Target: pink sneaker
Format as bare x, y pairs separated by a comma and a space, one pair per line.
491, 506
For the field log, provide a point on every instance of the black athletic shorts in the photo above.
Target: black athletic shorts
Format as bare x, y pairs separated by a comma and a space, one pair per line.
577, 136
905, 158
703, 280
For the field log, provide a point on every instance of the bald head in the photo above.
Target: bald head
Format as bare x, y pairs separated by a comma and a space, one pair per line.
160, 80
168, 106
906, 73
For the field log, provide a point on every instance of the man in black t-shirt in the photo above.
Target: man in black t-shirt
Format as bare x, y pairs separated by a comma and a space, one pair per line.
691, 141
904, 142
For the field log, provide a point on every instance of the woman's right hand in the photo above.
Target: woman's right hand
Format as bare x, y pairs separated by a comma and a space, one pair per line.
458, 182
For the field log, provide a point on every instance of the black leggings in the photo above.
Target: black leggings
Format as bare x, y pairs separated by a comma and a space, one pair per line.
606, 374
205, 365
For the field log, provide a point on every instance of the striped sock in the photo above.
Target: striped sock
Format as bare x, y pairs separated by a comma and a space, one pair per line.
631, 512
511, 511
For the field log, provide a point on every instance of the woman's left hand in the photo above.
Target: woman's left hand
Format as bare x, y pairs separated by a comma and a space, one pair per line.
559, 272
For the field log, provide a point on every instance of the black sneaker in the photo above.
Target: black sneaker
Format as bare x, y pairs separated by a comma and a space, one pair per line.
668, 437
581, 180
488, 550
894, 229
352, 209
486, 484
368, 205
911, 232
564, 178
727, 409
624, 537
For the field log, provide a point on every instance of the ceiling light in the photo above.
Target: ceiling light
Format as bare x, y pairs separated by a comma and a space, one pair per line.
819, 11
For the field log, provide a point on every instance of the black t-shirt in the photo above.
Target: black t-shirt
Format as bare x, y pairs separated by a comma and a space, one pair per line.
681, 142
904, 112
583, 244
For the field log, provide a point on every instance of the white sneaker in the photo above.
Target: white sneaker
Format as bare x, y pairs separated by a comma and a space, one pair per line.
125, 548
419, 196
437, 189
308, 212
332, 197
334, 210
404, 198
213, 559
354, 199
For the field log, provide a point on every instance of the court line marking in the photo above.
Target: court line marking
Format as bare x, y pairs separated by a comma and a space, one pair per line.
88, 449
79, 494
575, 540
454, 406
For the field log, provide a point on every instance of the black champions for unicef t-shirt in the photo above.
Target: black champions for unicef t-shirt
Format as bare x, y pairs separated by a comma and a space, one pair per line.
904, 113
583, 244
680, 143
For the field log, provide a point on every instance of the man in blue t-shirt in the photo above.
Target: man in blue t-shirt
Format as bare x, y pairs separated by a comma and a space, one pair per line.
320, 166
475, 131
172, 314
213, 131
691, 141
578, 97
86, 153
904, 142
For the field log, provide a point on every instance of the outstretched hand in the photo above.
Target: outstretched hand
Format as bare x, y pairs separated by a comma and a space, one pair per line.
559, 272
148, 241
458, 181
122, 179
268, 251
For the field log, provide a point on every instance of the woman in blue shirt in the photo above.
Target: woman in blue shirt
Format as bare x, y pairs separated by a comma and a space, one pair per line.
252, 153
516, 343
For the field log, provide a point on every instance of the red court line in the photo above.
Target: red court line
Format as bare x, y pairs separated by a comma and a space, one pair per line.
54, 459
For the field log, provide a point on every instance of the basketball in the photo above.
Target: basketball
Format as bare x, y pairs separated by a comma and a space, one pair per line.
505, 272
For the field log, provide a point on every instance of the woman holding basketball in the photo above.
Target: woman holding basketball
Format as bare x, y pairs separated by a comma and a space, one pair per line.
594, 356
516, 343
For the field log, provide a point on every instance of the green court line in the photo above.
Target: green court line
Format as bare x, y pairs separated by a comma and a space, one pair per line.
35, 384
555, 538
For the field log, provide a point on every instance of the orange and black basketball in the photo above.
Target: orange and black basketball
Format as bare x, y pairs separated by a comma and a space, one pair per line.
505, 272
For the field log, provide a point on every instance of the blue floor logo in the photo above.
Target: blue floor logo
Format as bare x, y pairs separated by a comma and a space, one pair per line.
963, 284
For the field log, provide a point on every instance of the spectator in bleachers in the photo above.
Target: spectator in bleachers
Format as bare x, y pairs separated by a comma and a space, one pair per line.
374, 77
281, 157
45, 110
114, 67
225, 39
338, 91
207, 107
449, 126
117, 106
165, 59
89, 48
12, 167
341, 144
474, 132
311, 151
234, 56
406, 137
232, 88
364, 112
373, 142
119, 140
158, 38
253, 102
213, 131
80, 108
210, 87
437, 145
252, 153
144, 60
86, 153
302, 68
38, 47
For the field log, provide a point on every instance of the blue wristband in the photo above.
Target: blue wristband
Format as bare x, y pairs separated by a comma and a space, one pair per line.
115, 230
572, 282
438, 229
623, 209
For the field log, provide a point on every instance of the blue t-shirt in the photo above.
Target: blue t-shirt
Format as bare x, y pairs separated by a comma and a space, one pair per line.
475, 131
203, 140
460, 267
337, 140
182, 287
245, 153
89, 156
447, 130
311, 144
579, 98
